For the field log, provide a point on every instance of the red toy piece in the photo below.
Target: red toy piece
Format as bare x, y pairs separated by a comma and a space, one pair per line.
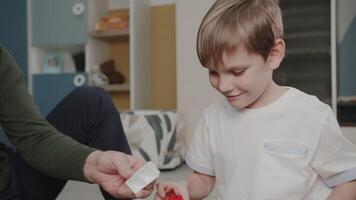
173, 196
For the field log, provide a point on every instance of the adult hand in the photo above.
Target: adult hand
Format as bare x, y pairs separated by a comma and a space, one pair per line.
179, 188
110, 170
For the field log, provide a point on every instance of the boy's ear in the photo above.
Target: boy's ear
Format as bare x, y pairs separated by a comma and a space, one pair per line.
277, 54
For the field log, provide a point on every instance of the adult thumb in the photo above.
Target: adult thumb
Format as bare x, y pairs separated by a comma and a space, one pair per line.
124, 168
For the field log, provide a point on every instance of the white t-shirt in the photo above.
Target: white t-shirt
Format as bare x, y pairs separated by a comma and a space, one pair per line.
291, 149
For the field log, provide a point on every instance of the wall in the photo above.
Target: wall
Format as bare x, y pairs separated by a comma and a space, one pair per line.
193, 90
346, 37
163, 57
345, 12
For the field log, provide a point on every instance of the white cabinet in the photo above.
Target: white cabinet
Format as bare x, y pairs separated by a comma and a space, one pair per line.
101, 47
130, 48
58, 23
55, 34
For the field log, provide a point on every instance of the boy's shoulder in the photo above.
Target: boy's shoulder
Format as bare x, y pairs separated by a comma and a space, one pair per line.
308, 106
307, 101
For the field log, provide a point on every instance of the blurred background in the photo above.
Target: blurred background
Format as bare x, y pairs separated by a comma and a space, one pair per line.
143, 53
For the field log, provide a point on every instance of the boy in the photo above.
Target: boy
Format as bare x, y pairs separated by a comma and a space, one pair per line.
263, 141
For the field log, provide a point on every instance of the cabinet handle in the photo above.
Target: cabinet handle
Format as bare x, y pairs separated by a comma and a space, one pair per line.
79, 80
78, 9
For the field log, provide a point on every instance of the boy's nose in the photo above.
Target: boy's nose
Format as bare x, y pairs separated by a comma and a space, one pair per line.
225, 86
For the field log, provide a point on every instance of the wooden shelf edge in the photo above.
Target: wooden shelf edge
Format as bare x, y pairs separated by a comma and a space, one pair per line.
116, 87
110, 35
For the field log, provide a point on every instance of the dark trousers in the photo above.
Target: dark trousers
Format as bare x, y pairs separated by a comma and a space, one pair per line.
89, 117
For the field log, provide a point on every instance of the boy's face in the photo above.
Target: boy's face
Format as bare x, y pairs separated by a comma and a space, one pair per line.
243, 78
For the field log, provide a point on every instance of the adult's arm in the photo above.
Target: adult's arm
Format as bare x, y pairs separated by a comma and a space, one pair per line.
39, 143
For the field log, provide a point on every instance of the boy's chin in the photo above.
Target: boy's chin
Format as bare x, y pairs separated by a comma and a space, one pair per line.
238, 105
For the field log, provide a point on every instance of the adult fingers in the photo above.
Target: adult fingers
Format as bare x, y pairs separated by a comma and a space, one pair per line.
123, 167
136, 163
146, 191
143, 193
123, 192
150, 186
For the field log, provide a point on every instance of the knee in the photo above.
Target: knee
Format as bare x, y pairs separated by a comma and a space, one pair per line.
95, 96
92, 92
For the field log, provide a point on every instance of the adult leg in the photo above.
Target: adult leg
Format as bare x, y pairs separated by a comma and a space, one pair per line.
13, 191
88, 116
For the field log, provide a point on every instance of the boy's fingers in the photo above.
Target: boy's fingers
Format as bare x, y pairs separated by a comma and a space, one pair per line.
160, 190
157, 197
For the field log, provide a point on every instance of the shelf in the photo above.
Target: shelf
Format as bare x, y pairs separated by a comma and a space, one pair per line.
348, 124
116, 87
111, 35
347, 103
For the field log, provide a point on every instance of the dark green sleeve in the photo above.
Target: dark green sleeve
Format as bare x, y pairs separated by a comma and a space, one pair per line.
40, 144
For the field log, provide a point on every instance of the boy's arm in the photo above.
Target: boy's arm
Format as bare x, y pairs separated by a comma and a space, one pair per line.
199, 185
195, 187
345, 191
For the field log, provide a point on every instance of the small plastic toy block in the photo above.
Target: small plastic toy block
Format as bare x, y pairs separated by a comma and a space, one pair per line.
173, 196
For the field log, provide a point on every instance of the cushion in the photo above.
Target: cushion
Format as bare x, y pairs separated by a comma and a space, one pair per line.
156, 136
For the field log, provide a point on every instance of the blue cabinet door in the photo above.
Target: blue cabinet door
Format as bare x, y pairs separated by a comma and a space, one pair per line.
58, 22
50, 89
13, 36
347, 61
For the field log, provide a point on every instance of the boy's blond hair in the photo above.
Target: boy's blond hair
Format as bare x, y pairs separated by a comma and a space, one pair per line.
255, 23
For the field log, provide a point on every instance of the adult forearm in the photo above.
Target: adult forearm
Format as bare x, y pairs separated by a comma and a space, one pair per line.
346, 191
58, 156
90, 166
39, 143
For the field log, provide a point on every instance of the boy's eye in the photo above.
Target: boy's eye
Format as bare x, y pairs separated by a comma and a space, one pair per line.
213, 73
238, 73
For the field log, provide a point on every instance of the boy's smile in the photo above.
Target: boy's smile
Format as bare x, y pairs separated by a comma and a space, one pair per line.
245, 79
232, 98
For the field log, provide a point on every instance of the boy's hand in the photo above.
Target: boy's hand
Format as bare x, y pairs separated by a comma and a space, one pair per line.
164, 189
173, 196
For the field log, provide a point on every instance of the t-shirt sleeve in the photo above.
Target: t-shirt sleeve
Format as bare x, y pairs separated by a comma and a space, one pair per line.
335, 157
198, 156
